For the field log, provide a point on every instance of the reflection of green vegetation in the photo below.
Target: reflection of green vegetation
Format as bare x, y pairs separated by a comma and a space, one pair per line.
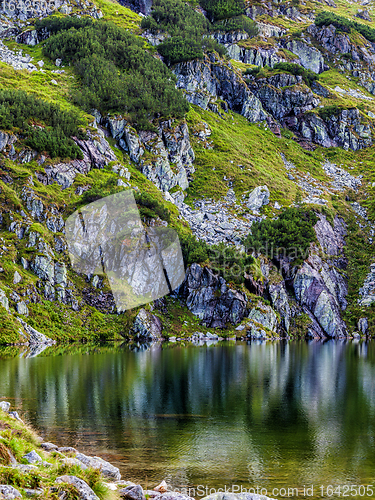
249, 412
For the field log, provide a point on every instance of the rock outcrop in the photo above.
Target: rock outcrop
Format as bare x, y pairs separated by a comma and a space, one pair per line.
209, 297
205, 82
147, 326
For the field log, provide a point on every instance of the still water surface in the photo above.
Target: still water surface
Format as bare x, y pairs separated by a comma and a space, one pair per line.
272, 415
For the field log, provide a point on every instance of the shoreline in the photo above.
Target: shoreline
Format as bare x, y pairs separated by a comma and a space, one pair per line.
63, 472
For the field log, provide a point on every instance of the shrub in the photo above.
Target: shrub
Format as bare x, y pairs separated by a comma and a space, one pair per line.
47, 127
342, 23
117, 73
229, 262
175, 17
179, 49
252, 71
151, 207
238, 23
289, 235
329, 111
223, 9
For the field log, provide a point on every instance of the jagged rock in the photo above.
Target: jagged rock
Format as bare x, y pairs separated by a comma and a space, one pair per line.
22, 308
32, 37
147, 326
363, 325
132, 492
32, 457
280, 302
315, 289
96, 154
33, 336
331, 239
347, 129
310, 57
16, 59
14, 414
17, 278
208, 297
140, 6
264, 315
9, 492
205, 81
364, 14
107, 469
84, 490
284, 95
4, 300
259, 197
4, 137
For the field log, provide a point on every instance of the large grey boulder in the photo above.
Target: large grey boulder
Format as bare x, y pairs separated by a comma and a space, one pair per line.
132, 492
107, 469
259, 197
208, 297
5, 406
147, 326
84, 490
33, 457
9, 492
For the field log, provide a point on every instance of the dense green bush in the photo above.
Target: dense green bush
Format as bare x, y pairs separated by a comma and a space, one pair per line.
252, 71
289, 235
329, 111
223, 9
188, 30
150, 207
344, 24
46, 127
193, 250
180, 49
176, 17
238, 23
117, 73
229, 262
295, 69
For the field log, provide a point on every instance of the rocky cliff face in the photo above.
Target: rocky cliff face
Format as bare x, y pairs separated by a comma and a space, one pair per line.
317, 288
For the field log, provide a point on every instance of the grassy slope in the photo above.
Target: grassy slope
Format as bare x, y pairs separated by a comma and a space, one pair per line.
236, 143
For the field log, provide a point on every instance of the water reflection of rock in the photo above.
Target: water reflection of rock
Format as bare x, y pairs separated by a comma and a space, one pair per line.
297, 408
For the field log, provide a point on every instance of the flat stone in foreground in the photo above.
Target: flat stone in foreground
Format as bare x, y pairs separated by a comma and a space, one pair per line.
107, 469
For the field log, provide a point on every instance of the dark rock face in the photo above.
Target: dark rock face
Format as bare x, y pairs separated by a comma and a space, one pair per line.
284, 95
319, 285
140, 6
208, 297
204, 82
